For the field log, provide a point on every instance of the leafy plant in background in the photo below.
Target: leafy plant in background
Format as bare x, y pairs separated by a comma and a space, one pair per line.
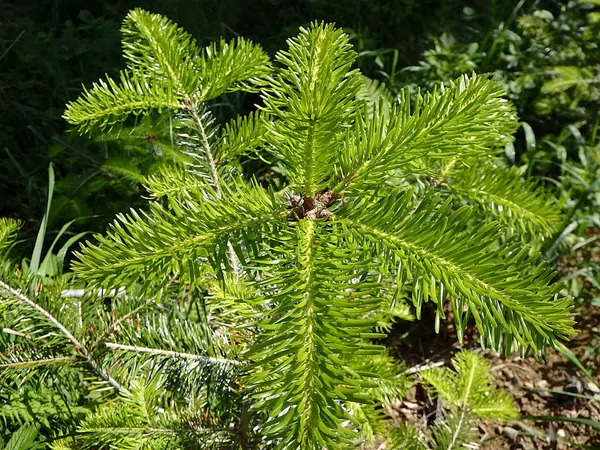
245, 316
95, 178
548, 60
33, 104
54, 399
22, 439
556, 79
467, 396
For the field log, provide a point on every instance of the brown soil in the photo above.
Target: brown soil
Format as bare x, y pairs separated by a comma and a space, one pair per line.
536, 385
528, 380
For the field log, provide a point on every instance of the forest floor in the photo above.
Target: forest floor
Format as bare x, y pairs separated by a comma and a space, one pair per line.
540, 387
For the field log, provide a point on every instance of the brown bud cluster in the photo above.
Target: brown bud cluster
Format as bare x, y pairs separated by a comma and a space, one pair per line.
302, 207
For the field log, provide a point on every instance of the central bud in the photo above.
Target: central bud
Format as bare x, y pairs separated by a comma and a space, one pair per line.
302, 207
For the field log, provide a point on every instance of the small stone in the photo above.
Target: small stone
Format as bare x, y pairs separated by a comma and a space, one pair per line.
510, 432
585, 414
561, 434
590, 386
528, 445
543, 387
542, 384
411, 405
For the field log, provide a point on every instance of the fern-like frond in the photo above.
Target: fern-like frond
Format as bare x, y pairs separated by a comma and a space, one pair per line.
310, 101
152, 44
507, 294
24, 438
519, 204
470, 117
109, 102
158, 244
469, 385
8, 233
35, 399
375, 95
125, 167
316, 322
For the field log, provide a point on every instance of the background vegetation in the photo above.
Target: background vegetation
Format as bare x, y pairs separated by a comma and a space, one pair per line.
50, 47
546, 53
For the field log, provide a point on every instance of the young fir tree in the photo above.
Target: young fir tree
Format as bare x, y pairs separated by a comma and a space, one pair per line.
247, 315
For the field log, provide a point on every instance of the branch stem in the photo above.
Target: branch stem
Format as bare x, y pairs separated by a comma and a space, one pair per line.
457, 430
91, 363
171, 354
113, 327
38, 362
193, 108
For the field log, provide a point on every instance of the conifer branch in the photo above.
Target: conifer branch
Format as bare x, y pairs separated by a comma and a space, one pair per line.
171, 354
115, 325
469, 377
44, 313
319, 274
192, 107
91, 363
8, 232
216, 182
434, 239
154, 43
310, 108
468, 117
37, 362
457, 430
518, 203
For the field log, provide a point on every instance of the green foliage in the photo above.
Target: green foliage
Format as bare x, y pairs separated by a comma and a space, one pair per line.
110, 102
136, 421
469, 386
506, 195
248, 313
23, 438
152, 44
547, 60
312, 100
426, 243
434, 128
547, 57
467, 395
60, 45
165, 71
446, 60
8, 233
